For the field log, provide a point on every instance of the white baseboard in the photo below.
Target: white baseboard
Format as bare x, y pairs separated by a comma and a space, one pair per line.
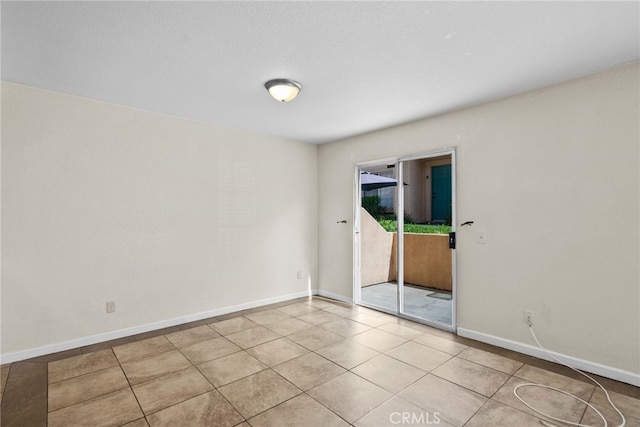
121, 333
336, 297
584, 365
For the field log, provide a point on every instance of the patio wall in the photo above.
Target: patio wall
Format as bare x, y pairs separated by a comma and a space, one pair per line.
376, 249
427, 256
427, 260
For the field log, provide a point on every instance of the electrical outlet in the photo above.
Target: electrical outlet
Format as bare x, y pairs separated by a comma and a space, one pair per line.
481, 238
111, 306
528, 317
299, 275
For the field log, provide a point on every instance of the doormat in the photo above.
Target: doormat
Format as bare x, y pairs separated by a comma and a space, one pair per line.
439, 295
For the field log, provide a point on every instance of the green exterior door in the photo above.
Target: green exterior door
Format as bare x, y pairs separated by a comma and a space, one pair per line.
441, 193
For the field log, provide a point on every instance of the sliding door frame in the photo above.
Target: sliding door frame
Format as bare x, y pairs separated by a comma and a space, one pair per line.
399, 167
357, 192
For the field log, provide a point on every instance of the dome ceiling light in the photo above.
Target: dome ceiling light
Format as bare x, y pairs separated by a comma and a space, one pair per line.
283, 90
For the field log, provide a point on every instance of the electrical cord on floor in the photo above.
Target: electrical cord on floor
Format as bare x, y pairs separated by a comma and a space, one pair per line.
515, 391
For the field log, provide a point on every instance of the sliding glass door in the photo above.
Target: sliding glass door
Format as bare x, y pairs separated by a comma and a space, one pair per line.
405, 237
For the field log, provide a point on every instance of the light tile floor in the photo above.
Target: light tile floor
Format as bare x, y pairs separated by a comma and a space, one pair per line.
306, 362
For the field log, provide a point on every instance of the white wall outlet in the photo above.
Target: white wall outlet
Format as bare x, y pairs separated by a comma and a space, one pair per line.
528, 317
481, 238
299, 275
111, 306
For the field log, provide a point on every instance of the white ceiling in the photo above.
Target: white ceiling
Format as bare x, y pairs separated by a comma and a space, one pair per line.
363, 65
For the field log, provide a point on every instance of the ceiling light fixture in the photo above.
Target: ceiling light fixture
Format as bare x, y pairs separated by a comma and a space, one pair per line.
283, 90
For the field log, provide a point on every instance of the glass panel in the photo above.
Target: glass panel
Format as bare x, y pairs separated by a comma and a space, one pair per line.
427, 267
378, 240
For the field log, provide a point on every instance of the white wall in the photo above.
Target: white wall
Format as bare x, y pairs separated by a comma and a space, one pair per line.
552, 177
166, 217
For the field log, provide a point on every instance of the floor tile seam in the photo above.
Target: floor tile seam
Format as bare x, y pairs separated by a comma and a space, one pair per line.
436, 348
363, 378
89, 373
482, 366
306, 351
147, 357
492, 398
394, 395
362, 323
579, 378
179, 326
294, 358
218, 391
193, 343
264, 342
135, 396
202, 322
491, 367
467, 388
584, 411
243, 378
258, 325
120, 388
175, 404
318, 325
353, 367
392, 333
161, 375
168, 373
496, 401
141, 418
265, 324
381, 351
195, 365
591, 402
535, 415
201, 342
275, 372
244, 419
272, 330
238, 379
398, 335
426, 408
592, 385
390, 391
602, 408
348, 371
93, 399
192, 365
326, 407
235, 332
275, 406
408, 363
115, 358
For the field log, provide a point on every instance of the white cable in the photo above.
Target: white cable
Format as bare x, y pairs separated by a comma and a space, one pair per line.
515, 392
